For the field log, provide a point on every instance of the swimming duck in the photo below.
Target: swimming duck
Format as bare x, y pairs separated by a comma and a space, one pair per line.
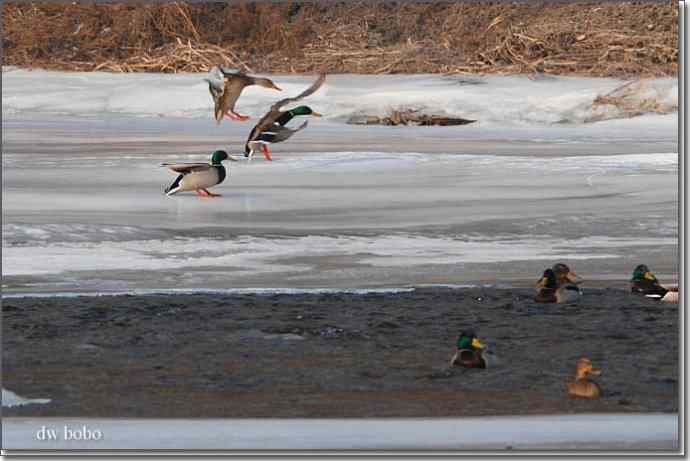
643, 282
547, 288
271, 128
582, 386
198, 176
558, 285
225, 86
469, 353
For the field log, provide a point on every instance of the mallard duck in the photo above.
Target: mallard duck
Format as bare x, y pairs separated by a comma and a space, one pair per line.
198, 176
547, 288
643, 282
271, 128
278, 132
469, 353
558, 285
225, 86
582, 386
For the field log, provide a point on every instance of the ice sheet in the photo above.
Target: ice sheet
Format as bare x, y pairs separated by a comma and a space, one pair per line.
10, 399
340, 206
657, 432
502, 100
247, 254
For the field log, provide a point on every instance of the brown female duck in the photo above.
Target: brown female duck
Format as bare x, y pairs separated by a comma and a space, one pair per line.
226, 86
582, 386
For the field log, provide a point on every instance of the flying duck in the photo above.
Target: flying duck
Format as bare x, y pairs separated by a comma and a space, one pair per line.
225, 86
271, 128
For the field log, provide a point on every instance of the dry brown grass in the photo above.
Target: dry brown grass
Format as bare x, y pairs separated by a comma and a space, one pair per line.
407, 116
633, 98
621, 39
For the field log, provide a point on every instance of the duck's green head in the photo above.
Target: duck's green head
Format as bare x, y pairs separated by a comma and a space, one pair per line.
642, 272
468, 340
218, 156
305, 110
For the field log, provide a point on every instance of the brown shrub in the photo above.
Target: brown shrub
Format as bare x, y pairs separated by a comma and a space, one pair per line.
587, 39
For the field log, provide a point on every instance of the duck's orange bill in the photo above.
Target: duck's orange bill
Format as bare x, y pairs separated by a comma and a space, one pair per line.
476, 343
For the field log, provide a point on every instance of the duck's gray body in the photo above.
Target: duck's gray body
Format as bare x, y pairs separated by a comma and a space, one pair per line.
195, 176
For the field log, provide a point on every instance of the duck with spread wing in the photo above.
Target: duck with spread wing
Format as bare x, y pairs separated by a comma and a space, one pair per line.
271, 128
226, 85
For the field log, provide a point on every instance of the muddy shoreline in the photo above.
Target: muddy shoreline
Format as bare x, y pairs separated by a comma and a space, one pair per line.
334, 354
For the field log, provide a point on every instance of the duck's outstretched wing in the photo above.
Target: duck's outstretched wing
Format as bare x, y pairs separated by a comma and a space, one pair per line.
226, 71
216, 83
231, 93
186, 168
309, 91
278, 133
225, 86
273, 114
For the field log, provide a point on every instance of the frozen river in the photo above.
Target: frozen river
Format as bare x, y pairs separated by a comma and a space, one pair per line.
542, 176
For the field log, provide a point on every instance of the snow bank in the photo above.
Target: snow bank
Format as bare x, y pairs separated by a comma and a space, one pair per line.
493, 100
247, 254
10, 399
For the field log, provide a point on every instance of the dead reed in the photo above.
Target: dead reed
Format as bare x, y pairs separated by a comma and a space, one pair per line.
622, 39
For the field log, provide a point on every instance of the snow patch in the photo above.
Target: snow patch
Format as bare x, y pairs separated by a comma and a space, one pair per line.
503, 100
10, 399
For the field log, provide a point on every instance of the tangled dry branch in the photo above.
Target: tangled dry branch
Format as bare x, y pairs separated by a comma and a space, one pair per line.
621, 39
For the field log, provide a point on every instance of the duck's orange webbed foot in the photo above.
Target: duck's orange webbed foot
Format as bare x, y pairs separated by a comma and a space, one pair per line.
264, 150
210, 194
235, 116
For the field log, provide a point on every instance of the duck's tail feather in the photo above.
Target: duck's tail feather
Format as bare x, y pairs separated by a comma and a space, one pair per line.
173, 188
170, 192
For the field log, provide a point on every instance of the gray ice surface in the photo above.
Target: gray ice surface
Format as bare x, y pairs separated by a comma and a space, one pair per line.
340, 205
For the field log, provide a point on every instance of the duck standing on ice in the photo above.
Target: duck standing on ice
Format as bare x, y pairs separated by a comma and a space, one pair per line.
198, 176
271, 128
226, 85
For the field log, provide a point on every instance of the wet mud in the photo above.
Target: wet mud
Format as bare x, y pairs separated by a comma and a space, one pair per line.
335, 355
